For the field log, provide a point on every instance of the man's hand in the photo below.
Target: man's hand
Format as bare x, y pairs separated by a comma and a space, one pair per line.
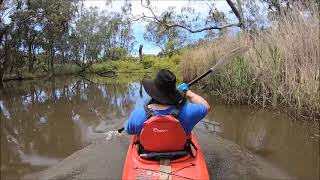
193, 97
183, 87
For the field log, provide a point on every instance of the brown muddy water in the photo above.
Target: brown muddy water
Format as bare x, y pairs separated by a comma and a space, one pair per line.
43, 122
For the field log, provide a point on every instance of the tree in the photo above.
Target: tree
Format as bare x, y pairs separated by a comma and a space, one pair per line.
5, 10
27, 25
29, 32
106, 35
187, 22
167, 39
170, 29
59, 32
55, 24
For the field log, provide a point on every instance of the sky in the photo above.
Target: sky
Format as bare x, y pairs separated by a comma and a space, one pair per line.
161, 5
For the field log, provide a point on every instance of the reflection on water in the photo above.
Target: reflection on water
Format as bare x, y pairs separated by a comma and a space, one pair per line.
43, 122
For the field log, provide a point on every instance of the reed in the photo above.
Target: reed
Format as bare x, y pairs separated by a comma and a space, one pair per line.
282, 68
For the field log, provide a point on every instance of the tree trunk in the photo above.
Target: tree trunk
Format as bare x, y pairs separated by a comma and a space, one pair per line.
48, 61
17, 69
53, 89
1, 75
4, 59
2, 68
241, 16
236, 13
140, 52
63, 57
277, 4
51, 60
30, 52
30, 58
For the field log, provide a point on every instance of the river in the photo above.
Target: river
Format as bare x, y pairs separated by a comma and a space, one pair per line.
43, 122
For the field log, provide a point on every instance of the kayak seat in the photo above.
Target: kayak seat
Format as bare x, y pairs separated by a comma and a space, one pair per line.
163, 133
162, 136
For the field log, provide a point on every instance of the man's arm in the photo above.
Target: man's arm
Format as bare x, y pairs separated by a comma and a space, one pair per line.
195, 98
135, 122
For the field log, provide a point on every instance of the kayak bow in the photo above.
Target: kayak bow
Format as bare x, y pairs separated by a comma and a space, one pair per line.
185, 167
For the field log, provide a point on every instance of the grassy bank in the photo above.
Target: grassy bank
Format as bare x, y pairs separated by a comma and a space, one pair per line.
149, 64
60, 70
282, 68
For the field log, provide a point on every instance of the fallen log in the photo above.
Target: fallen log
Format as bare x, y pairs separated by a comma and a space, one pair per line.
107, 73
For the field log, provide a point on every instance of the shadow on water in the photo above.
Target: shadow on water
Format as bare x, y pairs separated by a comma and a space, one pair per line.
43, 122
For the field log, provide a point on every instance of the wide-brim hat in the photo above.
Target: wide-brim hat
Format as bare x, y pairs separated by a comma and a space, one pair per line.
163, 88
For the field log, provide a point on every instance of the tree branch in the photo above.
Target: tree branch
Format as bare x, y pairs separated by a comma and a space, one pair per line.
236, 13
189, 29
202, 29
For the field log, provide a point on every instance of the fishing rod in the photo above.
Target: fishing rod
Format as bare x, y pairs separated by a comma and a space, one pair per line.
226, 59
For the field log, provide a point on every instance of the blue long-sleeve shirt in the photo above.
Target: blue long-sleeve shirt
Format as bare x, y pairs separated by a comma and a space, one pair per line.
190, 114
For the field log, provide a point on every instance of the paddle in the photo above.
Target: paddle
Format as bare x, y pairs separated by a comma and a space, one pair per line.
226, 59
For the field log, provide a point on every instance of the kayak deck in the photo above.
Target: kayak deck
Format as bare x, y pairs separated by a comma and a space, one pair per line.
186, 167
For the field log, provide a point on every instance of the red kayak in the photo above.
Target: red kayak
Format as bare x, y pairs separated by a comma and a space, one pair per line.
185, 166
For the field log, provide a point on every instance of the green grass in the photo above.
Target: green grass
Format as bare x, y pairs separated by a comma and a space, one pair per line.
149, 64
117, 66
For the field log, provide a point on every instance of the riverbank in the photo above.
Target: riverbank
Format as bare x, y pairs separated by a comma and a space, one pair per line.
149, 64
281, 70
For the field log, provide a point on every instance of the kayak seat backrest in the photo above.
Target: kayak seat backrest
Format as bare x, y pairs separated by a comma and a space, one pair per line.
164, 155
163, 133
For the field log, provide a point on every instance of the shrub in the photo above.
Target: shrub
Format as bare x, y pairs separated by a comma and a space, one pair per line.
67, 69
149, 61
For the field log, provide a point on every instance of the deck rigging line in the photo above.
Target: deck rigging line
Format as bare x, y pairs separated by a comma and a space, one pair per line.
172, 173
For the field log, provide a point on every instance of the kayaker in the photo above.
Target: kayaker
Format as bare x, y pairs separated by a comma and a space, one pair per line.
165, 97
